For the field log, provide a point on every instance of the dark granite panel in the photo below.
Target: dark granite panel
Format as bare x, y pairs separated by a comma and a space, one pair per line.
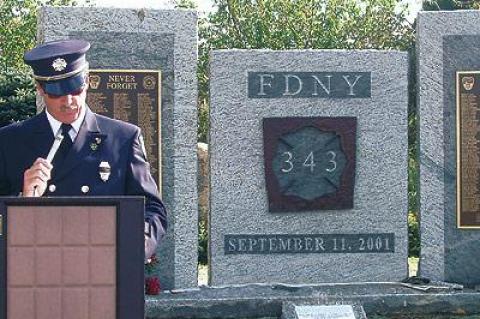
122, 50
462, 248
151, 51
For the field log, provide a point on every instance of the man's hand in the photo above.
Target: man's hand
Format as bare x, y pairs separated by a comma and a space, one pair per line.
36, 177
147, 259
150, 245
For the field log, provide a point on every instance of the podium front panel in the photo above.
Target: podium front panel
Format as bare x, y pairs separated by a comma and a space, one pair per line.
64, 260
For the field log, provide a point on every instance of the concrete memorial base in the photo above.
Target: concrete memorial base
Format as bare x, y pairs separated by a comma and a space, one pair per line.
267, 300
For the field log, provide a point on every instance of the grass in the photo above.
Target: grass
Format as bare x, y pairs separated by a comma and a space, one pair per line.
412, 266
202, 275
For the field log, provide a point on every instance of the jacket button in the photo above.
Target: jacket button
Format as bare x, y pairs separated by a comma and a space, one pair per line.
85, 189
52, 188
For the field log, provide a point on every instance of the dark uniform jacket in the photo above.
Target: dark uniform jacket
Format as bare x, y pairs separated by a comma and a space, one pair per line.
100, 139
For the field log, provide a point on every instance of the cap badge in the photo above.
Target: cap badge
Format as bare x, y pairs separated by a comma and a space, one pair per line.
59, 64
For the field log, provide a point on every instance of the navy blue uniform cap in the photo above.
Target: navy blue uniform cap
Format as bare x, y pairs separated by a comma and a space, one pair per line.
59, 66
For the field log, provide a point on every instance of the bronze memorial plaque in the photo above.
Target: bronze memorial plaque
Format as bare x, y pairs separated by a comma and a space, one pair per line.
132, 96
468, 149
309, 162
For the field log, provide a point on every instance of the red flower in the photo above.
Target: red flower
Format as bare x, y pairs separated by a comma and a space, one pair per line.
152, 286
153, 260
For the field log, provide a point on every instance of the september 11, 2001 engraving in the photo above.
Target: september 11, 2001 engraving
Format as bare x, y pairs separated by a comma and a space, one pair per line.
309, 243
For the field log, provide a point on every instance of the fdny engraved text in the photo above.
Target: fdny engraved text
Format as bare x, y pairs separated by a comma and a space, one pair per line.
310, 243
309, 84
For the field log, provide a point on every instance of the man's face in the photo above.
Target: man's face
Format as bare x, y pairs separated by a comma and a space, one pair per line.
65, 108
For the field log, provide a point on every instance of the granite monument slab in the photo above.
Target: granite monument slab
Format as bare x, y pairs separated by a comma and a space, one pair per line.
308, 159
162, 41
448, 58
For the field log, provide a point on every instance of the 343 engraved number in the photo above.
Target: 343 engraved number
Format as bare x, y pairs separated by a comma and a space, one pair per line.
288, 161
309, 162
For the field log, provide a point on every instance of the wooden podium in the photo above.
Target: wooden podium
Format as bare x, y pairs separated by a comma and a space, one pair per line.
72, 257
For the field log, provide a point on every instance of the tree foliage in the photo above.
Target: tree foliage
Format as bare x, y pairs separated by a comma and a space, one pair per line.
18, 29
448, 5
17, 96
184, 4
413, 235
17, 35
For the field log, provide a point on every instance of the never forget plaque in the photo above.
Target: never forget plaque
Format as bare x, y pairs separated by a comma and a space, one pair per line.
468, 149
132, 96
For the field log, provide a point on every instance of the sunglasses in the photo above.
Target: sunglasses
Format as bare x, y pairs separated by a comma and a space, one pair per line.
77, 92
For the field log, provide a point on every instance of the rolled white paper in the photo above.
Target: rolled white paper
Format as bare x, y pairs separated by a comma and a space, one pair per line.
55, 146
51, 154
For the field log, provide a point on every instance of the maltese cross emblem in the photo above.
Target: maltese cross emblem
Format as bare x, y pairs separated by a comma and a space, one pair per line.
59, 64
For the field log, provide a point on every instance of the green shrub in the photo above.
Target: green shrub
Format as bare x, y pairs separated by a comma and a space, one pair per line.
202, 243
413, 236
17, 96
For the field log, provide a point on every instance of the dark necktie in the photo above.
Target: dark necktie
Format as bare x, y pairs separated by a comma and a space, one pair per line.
65, 146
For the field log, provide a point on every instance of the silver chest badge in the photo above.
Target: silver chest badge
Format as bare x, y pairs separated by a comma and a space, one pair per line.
104, 170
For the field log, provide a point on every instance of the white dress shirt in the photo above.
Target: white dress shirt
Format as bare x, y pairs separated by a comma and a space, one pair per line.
55, 124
